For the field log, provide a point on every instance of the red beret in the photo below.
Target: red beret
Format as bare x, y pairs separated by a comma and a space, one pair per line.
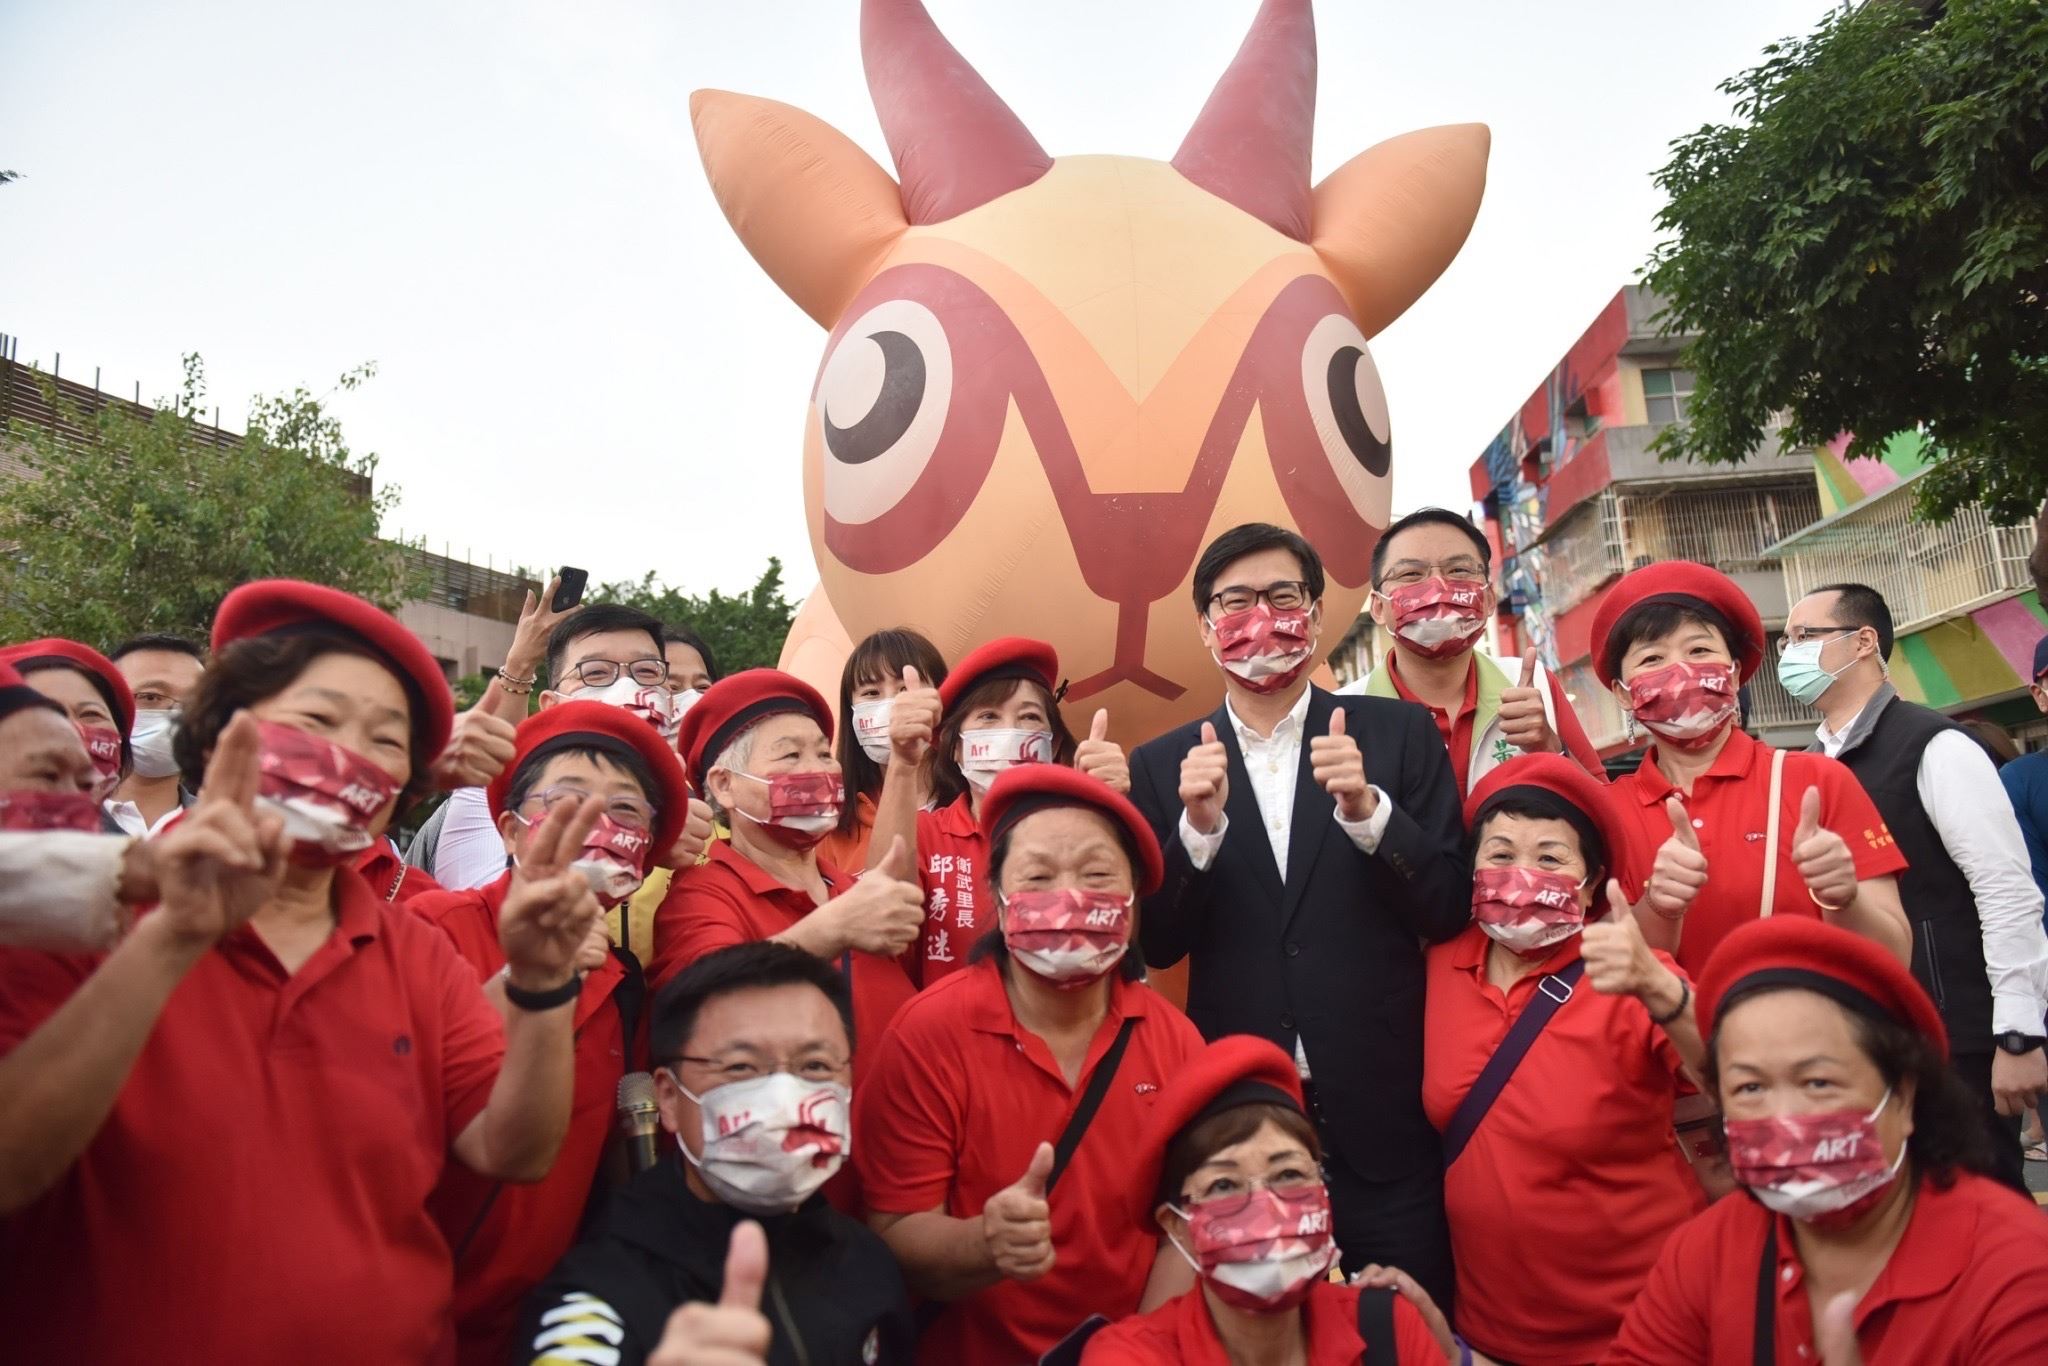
1008, 657
88, 661
602, 725
1565, 780
732, 704
1240, 1068
1025, 788
1800, 951
267, 606
1686, 583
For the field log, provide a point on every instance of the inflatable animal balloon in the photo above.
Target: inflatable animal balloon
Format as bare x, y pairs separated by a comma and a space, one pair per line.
1050, 381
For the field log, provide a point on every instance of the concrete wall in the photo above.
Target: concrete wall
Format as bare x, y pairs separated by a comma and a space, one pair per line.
463, 643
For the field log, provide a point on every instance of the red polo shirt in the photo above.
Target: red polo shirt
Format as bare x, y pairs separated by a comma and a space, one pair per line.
952, 1110
525, 1229
391, 877
1966, 1286
1578, 1144
1729, 806
729, 899
1181, 1333
259, 1190
952, 860
1456, 730
850, 850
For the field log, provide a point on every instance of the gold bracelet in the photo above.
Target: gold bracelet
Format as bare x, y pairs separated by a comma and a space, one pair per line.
1827, 906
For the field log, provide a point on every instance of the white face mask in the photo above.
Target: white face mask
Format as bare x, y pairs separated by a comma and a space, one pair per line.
985, 753
151, 739
685, 700
656, 705
770, 1142
871, 726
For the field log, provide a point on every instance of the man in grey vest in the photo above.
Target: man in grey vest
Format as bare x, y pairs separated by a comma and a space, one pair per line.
1978, 943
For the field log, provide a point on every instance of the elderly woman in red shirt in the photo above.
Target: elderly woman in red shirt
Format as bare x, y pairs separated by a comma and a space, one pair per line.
1740, 830
234, 1119
507, 1237
1873, 1234
1555, 1045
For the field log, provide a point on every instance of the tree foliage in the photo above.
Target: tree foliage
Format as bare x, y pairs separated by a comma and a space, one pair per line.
1865, 249
146, 524
745, 632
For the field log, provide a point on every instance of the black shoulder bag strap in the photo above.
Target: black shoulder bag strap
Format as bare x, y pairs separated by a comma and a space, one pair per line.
1376, 1326
1765, 1352
1091, 1101
1552, 991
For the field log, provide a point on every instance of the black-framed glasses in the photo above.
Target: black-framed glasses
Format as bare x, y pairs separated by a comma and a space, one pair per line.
630, 812
1462, 570
1805, 635
602, 673
1289, 595
817, 1067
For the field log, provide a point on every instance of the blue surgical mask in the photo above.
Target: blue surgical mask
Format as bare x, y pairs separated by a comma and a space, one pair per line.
1799, 669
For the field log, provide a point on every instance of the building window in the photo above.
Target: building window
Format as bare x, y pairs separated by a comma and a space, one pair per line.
1665, 393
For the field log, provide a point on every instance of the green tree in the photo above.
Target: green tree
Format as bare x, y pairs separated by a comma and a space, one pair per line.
745, 632
1865, 248
146, 523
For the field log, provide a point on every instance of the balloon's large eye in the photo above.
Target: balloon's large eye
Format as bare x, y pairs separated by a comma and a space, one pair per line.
882, 400
1349, 409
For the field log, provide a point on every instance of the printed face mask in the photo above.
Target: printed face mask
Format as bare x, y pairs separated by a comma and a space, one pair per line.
1684, 704
770, 1142
1264, 1252
1527, 909
41, 811
103, 747
1263, 649
1799, 669
1070, 936
150, 742
1827, 1169
614, 860
1436, 618
985, 753
871, 726
657, 706
326, 795
803, 808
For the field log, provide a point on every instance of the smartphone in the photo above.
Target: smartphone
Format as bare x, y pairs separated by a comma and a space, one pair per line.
569, 591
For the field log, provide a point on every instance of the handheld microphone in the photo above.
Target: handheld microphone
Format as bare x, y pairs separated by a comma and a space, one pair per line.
639, 1120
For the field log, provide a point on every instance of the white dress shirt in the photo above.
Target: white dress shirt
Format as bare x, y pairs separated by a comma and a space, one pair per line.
470, 852
1960, 791
1273, 763
129, 817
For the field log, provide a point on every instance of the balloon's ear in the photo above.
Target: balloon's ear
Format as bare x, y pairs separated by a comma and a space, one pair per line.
1389, 220
814, 209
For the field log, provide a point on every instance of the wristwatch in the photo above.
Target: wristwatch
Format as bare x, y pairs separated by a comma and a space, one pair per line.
2012, 1041
541, 1000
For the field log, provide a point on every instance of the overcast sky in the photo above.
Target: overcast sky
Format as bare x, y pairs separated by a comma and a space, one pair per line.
500, 203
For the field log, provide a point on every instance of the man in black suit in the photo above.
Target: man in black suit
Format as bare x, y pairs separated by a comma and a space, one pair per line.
1312, 842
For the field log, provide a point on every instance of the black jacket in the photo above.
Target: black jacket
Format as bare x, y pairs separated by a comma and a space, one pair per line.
1333, 955
834, 1294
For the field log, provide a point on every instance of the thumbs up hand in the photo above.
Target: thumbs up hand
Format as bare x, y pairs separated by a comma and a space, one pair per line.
1101, 757
1822, 857
1016, 1223
913, 719
1523, 723
883, 912
1619, 961
1205, 782
1680, 869
732, 1332
1339, 769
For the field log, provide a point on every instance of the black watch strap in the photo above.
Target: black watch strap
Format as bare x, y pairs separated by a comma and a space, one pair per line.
2012, 1041
545, 1000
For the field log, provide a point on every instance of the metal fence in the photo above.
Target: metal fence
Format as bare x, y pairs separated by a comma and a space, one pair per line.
1729, 528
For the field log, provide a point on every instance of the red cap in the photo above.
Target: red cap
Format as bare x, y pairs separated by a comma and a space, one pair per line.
88, 661
271, 605
1019, 791
1008, 657
1800, 951
1565, 780
732, 704
568, 725
1240, 1069
1689, 584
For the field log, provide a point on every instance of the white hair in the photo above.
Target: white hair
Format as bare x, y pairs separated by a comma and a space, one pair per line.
734, 758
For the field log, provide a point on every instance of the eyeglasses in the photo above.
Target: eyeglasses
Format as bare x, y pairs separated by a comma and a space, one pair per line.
1805, 635
1453, 571
816, 1067
602, 673
1291, 1187
1285, 596
630, 812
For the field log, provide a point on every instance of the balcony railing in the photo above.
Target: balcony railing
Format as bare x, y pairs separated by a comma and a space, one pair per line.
1730, 528
1925, 570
